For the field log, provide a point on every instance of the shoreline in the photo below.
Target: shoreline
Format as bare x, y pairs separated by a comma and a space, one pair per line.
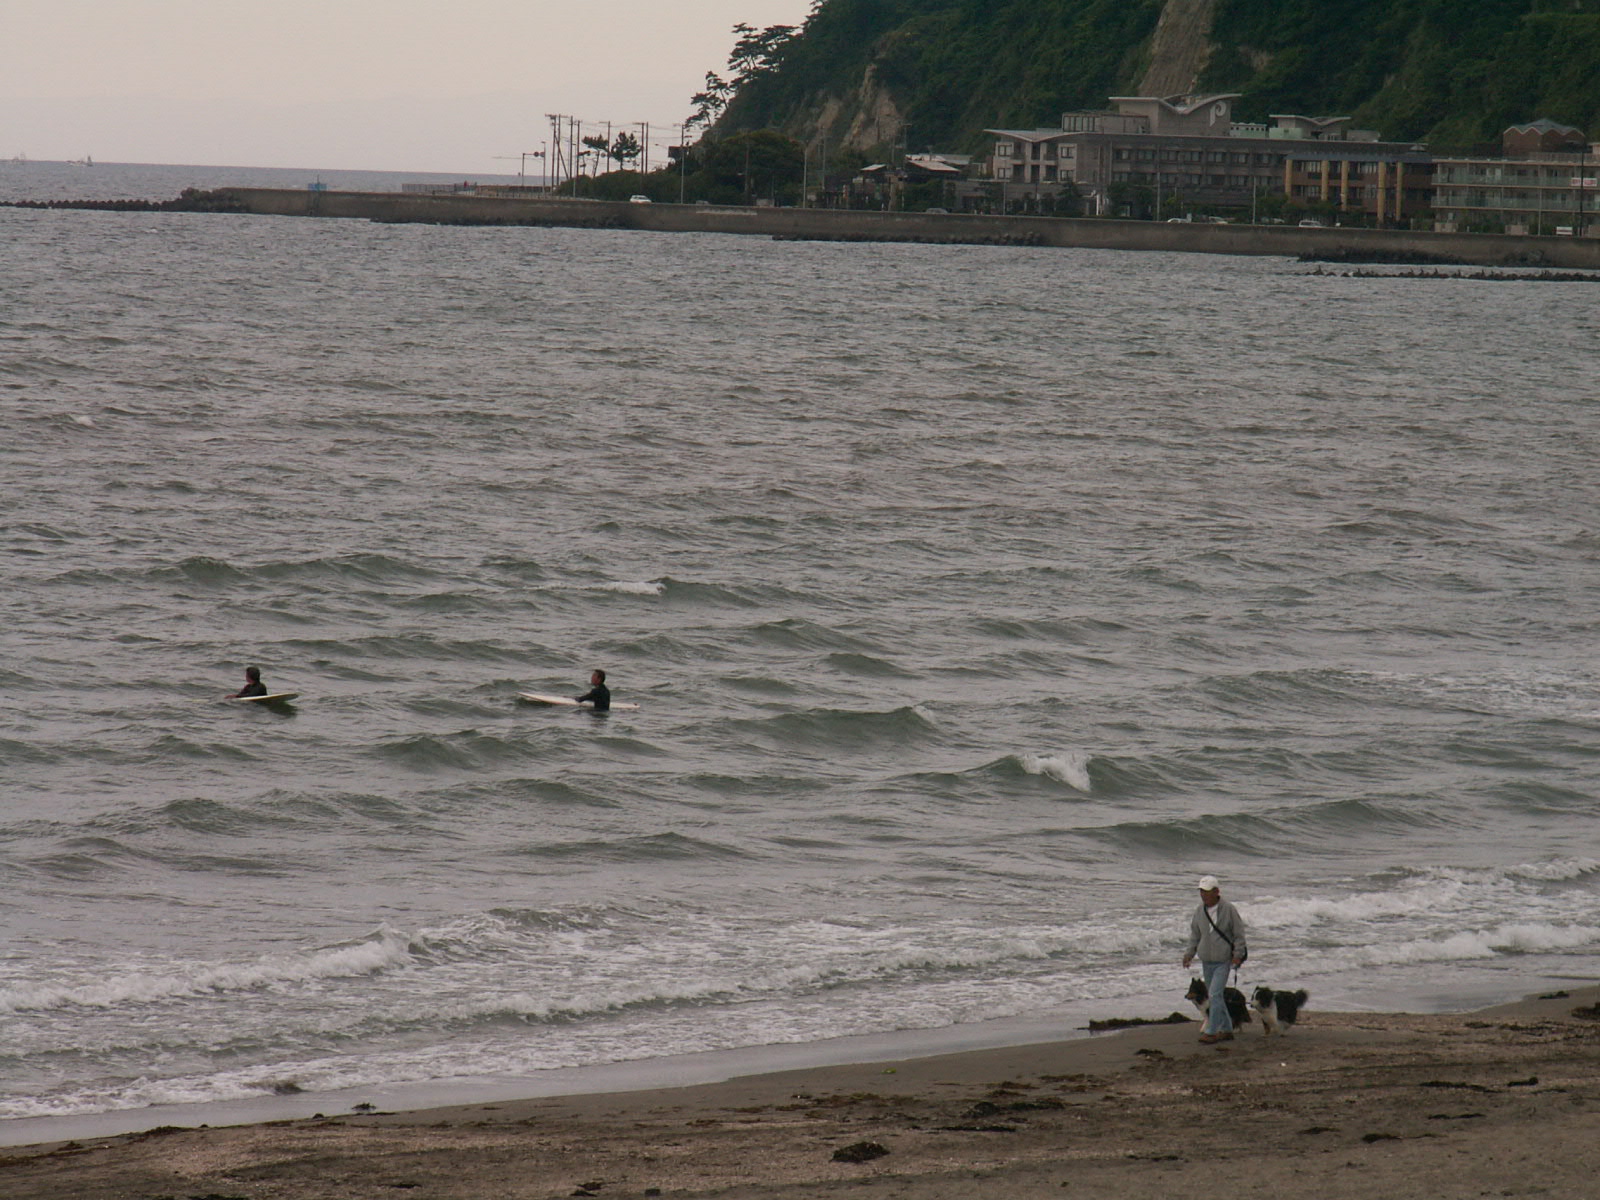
1456, 993
1336, 244
1506, 1099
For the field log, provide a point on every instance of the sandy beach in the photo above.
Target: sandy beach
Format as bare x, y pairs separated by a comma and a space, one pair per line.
1502, 1102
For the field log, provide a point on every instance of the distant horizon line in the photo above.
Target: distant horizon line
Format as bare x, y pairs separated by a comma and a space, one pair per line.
23, 159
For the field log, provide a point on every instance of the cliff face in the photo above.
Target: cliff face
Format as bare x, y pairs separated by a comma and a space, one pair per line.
879, 76
1180, 48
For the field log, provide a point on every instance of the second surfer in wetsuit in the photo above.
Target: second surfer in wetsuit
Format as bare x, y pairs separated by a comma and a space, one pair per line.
598, 694
252, 685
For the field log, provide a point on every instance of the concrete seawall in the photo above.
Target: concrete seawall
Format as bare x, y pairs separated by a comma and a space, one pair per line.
955, 228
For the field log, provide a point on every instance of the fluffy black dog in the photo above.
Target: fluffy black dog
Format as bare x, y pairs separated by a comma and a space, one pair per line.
1278, 1009
1200, 996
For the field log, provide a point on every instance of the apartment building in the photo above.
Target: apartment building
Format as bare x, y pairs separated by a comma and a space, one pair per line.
1545, 182
1188, 150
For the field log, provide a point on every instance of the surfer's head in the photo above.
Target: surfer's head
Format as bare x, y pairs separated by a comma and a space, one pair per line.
598, 677
253, 674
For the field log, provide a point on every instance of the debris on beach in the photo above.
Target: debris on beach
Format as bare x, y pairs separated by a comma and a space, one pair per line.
859, 1152
1100, 1026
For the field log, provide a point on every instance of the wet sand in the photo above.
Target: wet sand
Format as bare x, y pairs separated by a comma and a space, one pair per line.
1503, 1102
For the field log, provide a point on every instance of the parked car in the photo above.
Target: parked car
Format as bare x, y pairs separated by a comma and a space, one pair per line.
1309, 223
638, 199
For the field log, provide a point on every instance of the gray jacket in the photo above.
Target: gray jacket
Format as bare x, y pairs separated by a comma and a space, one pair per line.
1212, 946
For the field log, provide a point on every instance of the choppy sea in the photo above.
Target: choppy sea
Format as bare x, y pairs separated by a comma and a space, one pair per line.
975, 599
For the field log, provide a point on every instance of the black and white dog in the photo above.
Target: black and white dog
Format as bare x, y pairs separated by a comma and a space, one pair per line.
1278, 1009
1200, 996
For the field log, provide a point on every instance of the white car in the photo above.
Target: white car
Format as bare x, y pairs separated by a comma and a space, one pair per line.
638, 199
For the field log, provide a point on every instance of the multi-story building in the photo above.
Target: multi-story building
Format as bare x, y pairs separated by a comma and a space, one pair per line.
1188, 151
1545, 182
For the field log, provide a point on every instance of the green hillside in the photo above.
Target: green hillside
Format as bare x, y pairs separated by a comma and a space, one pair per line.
936, 72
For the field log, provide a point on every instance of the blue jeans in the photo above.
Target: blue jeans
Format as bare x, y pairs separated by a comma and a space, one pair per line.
1216, 976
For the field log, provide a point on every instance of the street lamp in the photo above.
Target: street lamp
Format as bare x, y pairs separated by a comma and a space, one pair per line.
1582, 181
683, 158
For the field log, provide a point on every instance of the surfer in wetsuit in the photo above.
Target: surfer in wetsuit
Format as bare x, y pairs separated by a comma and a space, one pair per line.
252, 685
598, 694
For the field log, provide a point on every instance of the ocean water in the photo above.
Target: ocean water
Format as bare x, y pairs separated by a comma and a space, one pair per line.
976, 600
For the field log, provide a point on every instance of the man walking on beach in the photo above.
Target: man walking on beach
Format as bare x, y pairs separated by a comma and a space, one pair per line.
1216, 931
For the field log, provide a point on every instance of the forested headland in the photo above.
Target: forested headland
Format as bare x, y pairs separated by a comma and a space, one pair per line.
933, 74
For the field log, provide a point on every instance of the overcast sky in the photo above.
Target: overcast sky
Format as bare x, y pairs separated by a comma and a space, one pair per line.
421, 85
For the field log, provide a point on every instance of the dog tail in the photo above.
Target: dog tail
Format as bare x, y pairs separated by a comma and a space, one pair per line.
1301, 997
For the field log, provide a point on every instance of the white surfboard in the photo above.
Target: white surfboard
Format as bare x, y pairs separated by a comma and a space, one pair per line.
275, 698
567, 701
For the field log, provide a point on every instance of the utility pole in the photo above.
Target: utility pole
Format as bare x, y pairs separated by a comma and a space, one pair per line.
555, 145
683, 158
822, 164
644, 146
574, 132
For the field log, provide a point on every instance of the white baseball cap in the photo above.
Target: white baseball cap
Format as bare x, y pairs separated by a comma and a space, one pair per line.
1208, 883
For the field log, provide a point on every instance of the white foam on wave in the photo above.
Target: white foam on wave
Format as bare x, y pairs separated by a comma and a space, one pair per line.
1070, 767
626, 587
367, 957
1433, 895
699, 963
1430, 896
641, 588
1511, 938
1555, 871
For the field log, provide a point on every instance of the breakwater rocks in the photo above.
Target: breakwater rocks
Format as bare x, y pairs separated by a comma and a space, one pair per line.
189, 200
1496, 276
1415, 258
509, 219
1001, 239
